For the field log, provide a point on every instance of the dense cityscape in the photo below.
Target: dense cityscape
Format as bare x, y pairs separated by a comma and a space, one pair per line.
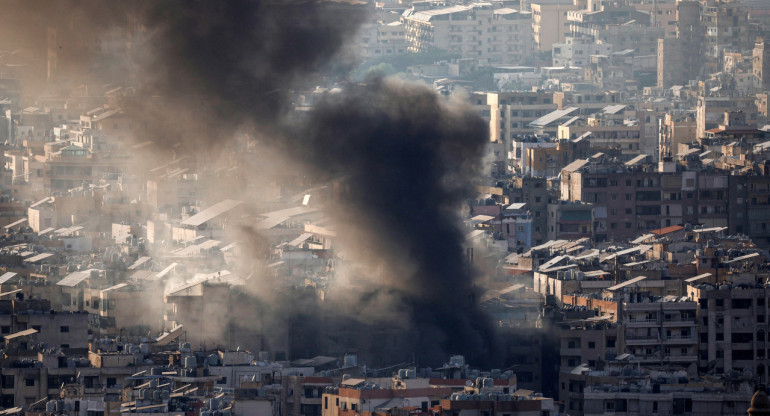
385, 208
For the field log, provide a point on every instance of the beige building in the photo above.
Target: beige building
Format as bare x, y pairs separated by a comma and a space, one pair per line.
761, 66
608, 130
549, 22
381, 39
710, 111
510, 114
675, 130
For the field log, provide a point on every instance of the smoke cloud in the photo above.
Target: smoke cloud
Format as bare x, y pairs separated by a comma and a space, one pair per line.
406, 158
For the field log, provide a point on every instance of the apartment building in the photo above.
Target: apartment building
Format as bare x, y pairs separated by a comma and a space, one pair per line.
660, 331
547, 162
532, 191
761, 67
549, 22
609, 131
662, 14
577, 51
360, 395
641, 200
583, 342
478, 30
617, 23
749, 203
732, 327
726, 29
512, 112
679, 58
569, 220
675, 394
676, 129
588, 102
710, 111
380, 38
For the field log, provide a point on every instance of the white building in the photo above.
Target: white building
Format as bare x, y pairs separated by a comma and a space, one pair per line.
479, 30
578, 51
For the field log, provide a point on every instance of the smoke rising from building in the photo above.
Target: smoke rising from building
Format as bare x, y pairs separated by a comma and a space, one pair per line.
406, 159
404, 156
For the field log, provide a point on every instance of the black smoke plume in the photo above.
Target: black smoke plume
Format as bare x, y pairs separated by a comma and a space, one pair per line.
408, 159
405, 156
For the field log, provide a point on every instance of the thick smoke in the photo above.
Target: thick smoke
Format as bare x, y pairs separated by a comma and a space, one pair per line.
407, 159
404, 156
243, 57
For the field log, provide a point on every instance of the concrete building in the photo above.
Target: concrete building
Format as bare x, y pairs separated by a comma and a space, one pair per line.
549, 22
570, 220
732, 327
725, 25
662, 331
479, 30
674, 131
679, 58
610, 131
577, 51
616, 23
547, 162
761, 67
532, 191
637, 199
710, 111
381, 38
512, 112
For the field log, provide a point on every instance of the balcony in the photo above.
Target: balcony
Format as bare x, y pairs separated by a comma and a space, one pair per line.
679, 323
678, 339
642, 340
681, 358
641, 323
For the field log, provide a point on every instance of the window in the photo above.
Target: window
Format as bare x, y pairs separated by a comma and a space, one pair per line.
64, 328
29, 382
591, 345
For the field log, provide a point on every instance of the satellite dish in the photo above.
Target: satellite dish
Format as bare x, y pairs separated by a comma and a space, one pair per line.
468, 383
